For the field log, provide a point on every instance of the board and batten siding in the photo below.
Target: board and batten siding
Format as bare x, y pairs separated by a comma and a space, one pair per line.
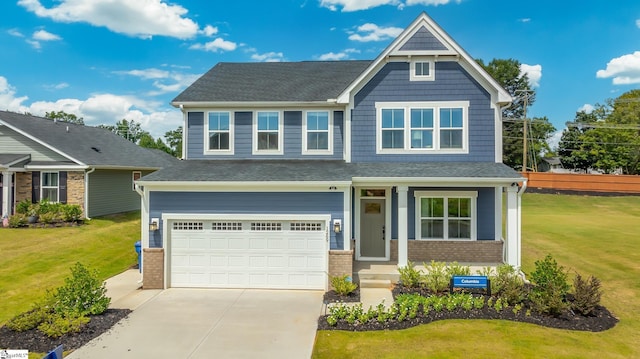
243, 137
452, 83
13, 142
299, 203
111, 191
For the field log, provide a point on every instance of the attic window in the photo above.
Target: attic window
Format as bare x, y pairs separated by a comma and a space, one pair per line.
421, 70
96, 149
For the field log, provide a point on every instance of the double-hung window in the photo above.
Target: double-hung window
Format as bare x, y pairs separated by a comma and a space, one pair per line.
49, 186
268, 132
446, 216
219, 133
415, 127
317, 133
421, 70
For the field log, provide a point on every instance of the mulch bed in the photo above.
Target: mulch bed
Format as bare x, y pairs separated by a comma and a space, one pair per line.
34, 341
333, 297
601, 319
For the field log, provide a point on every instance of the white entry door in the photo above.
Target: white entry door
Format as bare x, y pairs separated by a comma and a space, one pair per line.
245, 253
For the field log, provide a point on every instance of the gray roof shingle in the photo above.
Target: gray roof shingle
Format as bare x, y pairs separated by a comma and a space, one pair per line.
91, 146
307, 81
323, 170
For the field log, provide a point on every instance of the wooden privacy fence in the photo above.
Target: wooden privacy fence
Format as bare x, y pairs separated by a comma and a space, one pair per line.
583, 182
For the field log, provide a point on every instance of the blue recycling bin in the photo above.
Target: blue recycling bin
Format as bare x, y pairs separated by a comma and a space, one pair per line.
138, 246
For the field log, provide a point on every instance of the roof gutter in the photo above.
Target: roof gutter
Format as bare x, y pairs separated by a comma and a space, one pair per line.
86, 193
255, 104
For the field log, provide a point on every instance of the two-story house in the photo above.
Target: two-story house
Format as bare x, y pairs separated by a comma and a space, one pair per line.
294, 170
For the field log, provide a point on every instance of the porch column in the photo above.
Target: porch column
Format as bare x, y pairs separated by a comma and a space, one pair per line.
6, 193
403, 237
513, 254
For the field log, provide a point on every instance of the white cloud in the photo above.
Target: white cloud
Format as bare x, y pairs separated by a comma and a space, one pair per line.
216, 45
534, 73
42, 35
587, 108
525, 20
164, 81
355, 5
8, 99
554, 140
15, 32
35, 44
268, 57
431, 2
331, 56
141, 18
146, 73
638, 23
60, 86
625, 69
209, 30
372, 32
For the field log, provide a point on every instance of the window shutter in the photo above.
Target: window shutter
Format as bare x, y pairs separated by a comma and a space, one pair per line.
62, 187
35, 187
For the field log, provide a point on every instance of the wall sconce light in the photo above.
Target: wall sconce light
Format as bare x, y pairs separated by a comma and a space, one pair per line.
154, 224
337, 225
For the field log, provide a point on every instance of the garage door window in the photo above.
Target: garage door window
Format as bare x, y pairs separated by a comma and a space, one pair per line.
188, 226
226, 226
306, 226
266, 226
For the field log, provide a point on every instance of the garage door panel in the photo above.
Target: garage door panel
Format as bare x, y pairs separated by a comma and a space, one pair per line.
249, 254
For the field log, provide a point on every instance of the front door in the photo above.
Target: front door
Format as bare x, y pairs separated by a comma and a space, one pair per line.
372, 219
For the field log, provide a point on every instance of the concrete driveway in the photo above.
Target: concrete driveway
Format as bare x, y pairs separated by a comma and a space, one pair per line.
214, 323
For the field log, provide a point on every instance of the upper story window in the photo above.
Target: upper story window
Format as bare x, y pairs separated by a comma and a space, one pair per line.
267, 134
421, 70
317, 133
219, 138
49, 186
412, 127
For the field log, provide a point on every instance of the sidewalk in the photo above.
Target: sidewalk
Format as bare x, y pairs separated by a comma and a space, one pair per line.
125, 290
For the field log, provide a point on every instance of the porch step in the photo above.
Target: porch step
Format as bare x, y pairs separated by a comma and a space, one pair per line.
385, 276
375, 283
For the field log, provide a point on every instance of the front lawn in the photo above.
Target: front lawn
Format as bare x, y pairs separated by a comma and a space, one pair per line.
592, 235
34, 260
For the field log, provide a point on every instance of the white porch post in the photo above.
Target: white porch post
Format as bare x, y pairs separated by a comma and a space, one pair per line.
6, 193
513, 227
403, 237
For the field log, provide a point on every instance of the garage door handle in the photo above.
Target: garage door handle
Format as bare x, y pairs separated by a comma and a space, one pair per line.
383, 232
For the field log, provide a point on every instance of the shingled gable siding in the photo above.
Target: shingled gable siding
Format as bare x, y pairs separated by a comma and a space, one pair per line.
423, 40
243, 137
452, 83
299, 203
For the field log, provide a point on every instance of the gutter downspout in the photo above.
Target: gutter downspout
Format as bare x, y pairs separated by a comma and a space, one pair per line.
184, 128
143, 223
520, 193
86, 193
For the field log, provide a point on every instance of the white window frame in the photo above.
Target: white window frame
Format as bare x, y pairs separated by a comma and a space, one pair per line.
305, 131
445, 195
280, 149
42, 187
412, 70
436, 106
228, 151
133, 179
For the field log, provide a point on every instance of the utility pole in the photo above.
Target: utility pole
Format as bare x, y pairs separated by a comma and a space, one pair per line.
524, 129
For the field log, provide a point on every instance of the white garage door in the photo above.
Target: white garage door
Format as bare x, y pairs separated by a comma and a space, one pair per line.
275, 254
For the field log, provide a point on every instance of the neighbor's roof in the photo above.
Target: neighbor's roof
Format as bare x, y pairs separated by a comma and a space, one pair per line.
326, 171
85, 145
307, 81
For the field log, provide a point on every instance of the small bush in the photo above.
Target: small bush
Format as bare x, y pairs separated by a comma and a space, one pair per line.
71, 212
508, 285
17, 221
455, 269
57, 325
343, 285
82, 293
436, 279
23, 206
410, 276
587, 294
48, 217
551, 287
29, 320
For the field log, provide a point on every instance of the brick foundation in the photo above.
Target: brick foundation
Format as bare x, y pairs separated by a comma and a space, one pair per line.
450, 251
153, 268
340, 263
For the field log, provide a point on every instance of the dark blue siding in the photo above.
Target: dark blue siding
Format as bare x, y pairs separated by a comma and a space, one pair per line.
246, 203
243, 137
452, 83
423, 40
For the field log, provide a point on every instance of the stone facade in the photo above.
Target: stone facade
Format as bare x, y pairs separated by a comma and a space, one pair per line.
153, 268
340, 263
450, 251
23, 186
75, 188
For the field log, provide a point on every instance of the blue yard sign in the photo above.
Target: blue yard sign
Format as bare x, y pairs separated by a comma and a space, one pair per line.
471, 282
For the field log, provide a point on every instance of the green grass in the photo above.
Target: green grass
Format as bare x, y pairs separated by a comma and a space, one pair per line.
591, 235
35, 260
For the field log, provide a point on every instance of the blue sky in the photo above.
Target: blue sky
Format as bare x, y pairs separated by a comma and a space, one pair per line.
106, 60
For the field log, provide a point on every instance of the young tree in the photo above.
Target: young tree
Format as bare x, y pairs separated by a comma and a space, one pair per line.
147, 141
63, 116
174, 140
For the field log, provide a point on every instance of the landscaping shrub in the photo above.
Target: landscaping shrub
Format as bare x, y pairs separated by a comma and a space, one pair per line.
587, 294
71, 212
410, 276
23, 206
436, 278
31, 319
454, 269
343, 285
17, 221
550, 287
82, 293
508, 285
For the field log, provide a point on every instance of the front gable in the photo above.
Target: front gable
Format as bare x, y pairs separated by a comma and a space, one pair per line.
424, 40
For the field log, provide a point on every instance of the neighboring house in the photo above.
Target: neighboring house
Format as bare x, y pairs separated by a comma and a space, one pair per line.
293, 170
552, 164
68, 163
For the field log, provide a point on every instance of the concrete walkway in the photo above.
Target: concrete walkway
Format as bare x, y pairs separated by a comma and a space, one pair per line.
208, 323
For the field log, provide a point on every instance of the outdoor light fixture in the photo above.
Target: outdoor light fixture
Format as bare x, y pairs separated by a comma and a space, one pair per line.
154, 224
337, 225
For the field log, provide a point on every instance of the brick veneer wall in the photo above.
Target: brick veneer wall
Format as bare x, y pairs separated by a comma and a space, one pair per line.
153, 268
340, 263
450, 251
23, 186
75, 187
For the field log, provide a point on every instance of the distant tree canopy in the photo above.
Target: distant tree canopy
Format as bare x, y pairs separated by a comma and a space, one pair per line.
606, 139
132, 131
507, 73
63, 116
